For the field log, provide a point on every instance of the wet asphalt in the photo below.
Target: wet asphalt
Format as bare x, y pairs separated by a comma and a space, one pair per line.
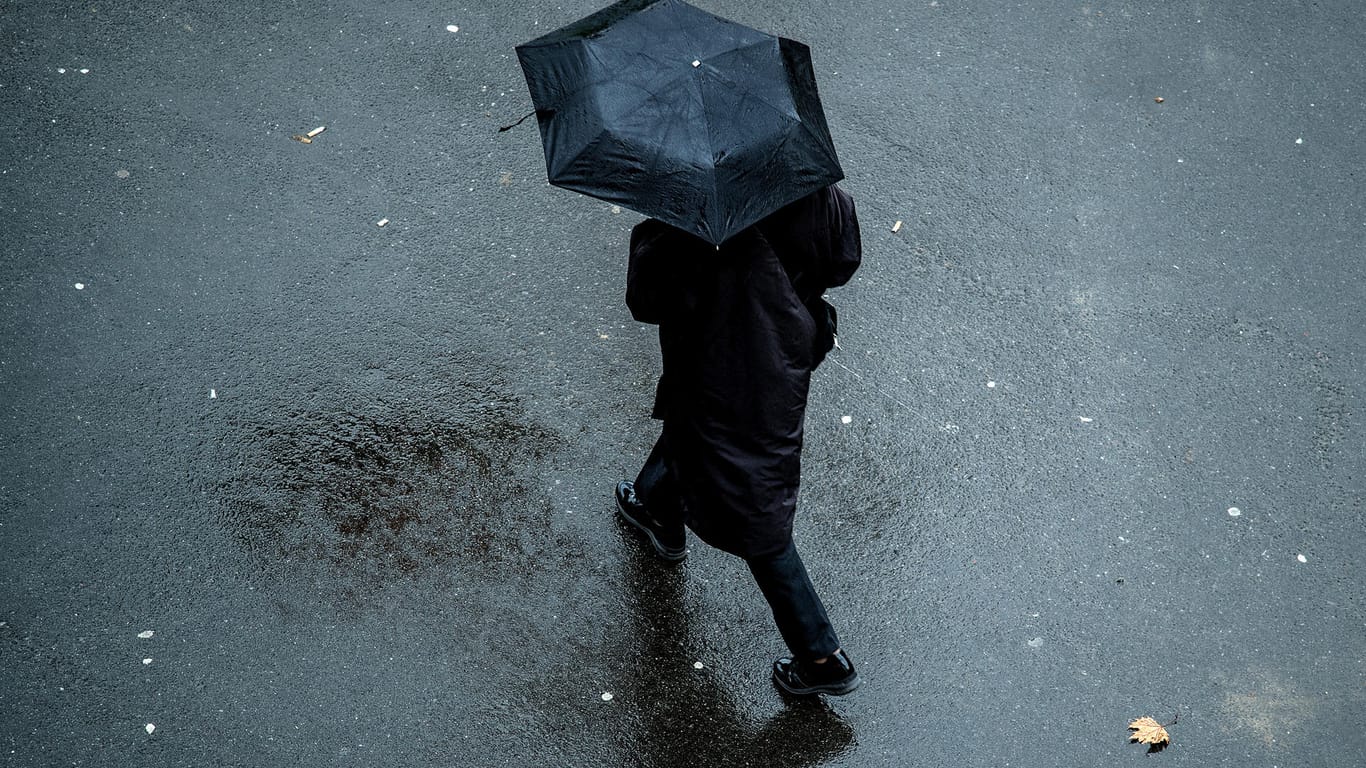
282, 487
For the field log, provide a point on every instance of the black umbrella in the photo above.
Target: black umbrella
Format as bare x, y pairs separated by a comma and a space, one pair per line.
671, 111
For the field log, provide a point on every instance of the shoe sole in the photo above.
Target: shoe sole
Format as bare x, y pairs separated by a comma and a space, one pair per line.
842, 689
671, 555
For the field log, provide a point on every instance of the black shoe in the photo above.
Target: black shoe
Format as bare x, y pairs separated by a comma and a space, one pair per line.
670, 543
804, 678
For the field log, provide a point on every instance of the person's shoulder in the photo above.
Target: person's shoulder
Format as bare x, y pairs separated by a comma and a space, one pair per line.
649, 231
647, 228
657, 234
840, 195
831, 198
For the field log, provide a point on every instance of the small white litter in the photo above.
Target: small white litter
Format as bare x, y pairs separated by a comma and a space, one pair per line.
1234, 511
80, 286
1302, 558
846, 419
146, 634
452, 28
150, 727
381, 222
607, 696
698, 665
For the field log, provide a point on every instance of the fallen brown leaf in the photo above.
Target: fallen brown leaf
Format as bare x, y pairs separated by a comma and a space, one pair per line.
1148, 731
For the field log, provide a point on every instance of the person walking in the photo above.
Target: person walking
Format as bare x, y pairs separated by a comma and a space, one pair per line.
741, 327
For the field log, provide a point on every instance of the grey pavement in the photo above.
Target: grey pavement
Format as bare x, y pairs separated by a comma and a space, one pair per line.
1092, 448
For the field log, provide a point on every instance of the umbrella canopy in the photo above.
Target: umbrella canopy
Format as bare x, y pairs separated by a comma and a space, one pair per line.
681, 115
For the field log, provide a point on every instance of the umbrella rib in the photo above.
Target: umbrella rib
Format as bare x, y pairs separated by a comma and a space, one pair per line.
604, 74
827, 147
715, 196
739, 86
611, 43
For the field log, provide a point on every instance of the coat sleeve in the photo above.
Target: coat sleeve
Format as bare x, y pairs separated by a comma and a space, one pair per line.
846, 247
647, 273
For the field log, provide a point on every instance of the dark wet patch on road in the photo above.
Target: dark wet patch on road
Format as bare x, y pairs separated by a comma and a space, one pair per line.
373, 492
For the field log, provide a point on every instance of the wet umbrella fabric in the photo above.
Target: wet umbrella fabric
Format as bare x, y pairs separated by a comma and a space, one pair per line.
680, 115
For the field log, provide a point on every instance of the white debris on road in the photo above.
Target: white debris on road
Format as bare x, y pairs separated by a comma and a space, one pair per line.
146, 634
1234, 511
698, 665
1085, 419
147, 660
1302, 558
452, 28
382, 222
846, 419
607, 696
80, 286
150, 727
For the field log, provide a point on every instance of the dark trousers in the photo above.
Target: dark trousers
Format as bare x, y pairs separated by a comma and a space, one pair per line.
782, 577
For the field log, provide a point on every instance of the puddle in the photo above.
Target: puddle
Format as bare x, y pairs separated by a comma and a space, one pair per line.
385, 492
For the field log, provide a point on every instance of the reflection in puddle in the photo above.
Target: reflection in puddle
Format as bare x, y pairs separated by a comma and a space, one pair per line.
687, 717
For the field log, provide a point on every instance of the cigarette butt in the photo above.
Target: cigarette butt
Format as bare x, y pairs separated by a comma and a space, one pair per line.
302, 139
316, 131
381, 222
897, 226
1159, 99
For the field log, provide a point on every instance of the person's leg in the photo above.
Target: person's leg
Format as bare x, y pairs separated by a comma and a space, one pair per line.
818, 665
797, 609
651, 504
654, 482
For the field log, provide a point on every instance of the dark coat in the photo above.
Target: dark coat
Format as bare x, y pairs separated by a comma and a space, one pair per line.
741, 328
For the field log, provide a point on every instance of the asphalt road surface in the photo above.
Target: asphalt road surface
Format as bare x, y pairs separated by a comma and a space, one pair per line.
282, 487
